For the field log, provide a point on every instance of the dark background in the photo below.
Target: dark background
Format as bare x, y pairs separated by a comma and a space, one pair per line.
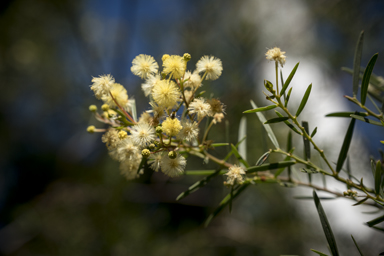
60, 193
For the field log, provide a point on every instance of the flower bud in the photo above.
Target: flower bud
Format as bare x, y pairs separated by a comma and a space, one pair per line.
122, 135
93, 108
152, 146
172, 154
105, 107
145, 153
159, 129
91, 129
187, 57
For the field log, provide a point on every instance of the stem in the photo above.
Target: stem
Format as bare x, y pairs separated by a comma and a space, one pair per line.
370, 112
277, 77
206, 131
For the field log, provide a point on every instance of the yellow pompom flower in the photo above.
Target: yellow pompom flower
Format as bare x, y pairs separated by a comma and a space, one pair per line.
210, 65
119, 93
171, 126
165, 93
175, 66
144, 65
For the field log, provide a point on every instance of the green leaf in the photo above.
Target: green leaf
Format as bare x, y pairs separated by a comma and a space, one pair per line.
378, 177
375, 221
200, 93
289, 79
314, 132
219, 144
276, 120
288, 123
202, 172
260, 109
288, 96
304, 100
242, 148
366, 78
364, 119
225, 202
310, 197
356, 63
357, 246
360, 202
326, 227
263, 158
265, 167
197, 185
320, 253
346, 114
345, 147
238, 156
262, 119
307, 147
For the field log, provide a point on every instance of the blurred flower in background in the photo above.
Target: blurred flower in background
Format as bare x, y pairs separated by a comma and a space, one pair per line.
60, 193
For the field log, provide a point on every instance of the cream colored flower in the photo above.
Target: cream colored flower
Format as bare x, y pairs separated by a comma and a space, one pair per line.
111, 138
129, 167
192, 80
211, 65
144, 65
171, 126
101, 85
174, 65
125, 150
200, 107
217, 118
142, 134
154, 161
119, 94
235, 175
173, 167
150, 83
165, 93
277, 55
189, 131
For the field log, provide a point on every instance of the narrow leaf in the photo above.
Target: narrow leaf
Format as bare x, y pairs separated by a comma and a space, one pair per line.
289, 79
225, 202
307, 147
242, 148
320, 253
345, 114
314, 132
356, 63
288, 123
260, 109
357, 246
345, 147
375, 221
304, 100
378, 177
197, 185
276, 120
326, 227
238, 156
288, 96
262, 119
265, 167
310, 197
263, 158
219, 144
364, 119
360, 202
366, 78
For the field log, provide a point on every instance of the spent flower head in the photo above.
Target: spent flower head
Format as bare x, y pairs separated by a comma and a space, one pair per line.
235, 175
275, 54
200, 107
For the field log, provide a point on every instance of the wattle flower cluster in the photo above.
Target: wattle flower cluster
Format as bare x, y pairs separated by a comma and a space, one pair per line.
162, 134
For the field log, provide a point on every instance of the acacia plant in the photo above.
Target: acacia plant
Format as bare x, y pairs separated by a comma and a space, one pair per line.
166, 135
